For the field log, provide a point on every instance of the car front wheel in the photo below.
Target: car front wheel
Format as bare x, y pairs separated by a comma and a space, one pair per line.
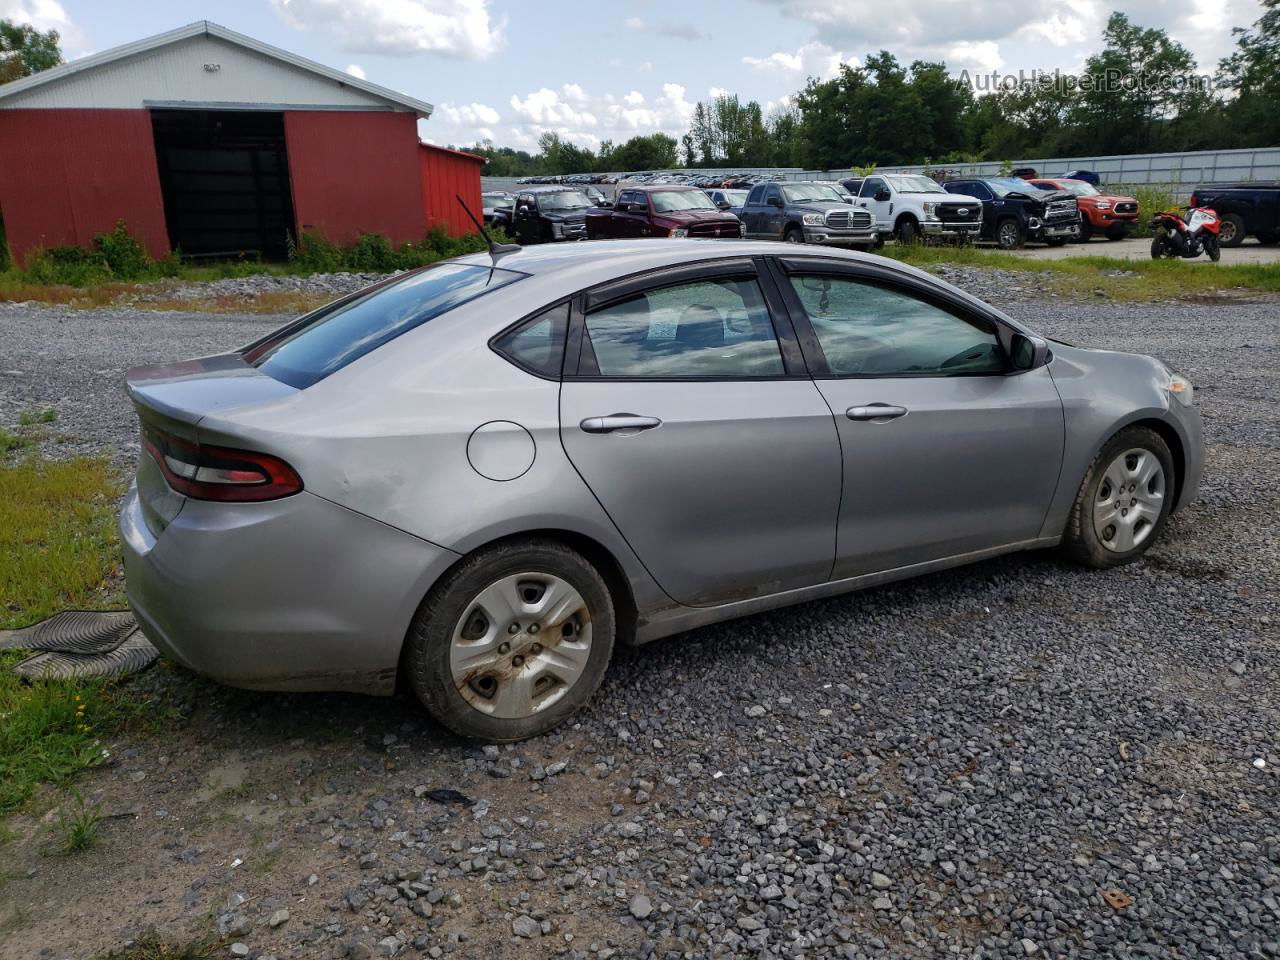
512, 642
1123, 501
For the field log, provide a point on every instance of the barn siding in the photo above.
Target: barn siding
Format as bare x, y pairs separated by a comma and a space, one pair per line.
355, 173
447, 175
68, 175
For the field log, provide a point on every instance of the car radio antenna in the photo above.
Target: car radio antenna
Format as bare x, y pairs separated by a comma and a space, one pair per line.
495, 249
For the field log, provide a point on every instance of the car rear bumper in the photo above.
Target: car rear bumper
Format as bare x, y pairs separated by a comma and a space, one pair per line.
292, 594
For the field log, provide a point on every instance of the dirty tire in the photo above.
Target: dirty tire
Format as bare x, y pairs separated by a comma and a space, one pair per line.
793, 235
1080, 541
1231, 233
908, 231
1084, 232
428, 645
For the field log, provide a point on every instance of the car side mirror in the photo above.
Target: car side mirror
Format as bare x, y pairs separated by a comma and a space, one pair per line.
774, 202
722, 204
1028, 352
847, 199
882, 195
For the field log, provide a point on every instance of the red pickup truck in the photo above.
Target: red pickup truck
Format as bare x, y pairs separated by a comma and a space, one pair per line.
661, 210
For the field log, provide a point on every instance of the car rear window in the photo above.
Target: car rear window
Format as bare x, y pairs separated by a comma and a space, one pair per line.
321, 343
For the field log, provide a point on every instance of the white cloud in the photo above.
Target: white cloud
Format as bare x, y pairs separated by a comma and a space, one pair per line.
815, 59
451, 28
983, 56
47, 15
468, 114
633, 23
587, 118
714, 92
356, 71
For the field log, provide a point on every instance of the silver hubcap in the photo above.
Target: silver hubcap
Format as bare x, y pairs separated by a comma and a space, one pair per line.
520, 645
1008, 235
1129, 500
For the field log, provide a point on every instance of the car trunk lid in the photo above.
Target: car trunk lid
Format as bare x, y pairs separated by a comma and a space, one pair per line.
173, 399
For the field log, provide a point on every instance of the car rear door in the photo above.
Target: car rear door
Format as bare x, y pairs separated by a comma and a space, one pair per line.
947, 450
686, 408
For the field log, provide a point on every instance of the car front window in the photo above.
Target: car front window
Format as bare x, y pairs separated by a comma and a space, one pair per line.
867, 330
671, 201
915, 185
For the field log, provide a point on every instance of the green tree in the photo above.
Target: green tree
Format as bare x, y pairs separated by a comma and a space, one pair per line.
24, 50
657, 151
1253, 72
1142, 79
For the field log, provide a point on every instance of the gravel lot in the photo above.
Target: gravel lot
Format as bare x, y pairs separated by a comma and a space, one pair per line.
959, 765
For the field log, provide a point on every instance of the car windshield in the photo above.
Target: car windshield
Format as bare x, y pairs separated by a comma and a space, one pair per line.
736, 198
915, 185
1077, 187
563, 200
497, 199
669, 201
810, 192
1007, 185
311, 348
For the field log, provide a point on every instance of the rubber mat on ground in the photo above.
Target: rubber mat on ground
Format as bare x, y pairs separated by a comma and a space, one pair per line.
73, 631
133, 655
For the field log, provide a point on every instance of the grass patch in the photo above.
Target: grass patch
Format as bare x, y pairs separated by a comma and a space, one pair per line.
78, 827
58, 549
28, 418
58, 545
152, 947
1117, 279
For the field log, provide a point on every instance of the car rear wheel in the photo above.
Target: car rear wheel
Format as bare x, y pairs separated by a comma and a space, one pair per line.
1123, 501
512, 642
1231, 233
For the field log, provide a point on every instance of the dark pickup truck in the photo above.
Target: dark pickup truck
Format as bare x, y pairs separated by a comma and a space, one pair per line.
1246, 209
1013, 211
661, 210
807, 212
547, 214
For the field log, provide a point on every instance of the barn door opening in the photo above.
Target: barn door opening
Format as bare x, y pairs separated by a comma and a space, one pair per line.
224, 175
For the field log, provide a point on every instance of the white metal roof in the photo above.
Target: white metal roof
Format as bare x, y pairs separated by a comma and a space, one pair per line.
28, 91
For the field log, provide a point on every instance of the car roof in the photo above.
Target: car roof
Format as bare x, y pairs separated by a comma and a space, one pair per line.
651, 187
554, 188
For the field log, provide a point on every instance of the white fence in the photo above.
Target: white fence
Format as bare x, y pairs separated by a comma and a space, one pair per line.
1179, 171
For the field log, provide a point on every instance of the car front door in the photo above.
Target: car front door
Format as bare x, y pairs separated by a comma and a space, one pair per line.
526, 218
947, 450
775, 214
690, 416
753, 212
872, 189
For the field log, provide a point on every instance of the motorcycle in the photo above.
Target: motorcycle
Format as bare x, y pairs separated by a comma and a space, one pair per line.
1176, 237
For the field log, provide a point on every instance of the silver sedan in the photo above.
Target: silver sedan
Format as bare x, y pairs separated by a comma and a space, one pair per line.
474, 479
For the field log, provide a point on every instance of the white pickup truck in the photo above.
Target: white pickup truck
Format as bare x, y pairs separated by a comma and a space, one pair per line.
911, 207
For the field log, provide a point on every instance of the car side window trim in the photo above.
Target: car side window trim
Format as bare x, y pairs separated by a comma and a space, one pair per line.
580, 361
816, 358
496, 341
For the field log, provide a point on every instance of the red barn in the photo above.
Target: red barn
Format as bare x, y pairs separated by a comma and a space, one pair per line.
208, 141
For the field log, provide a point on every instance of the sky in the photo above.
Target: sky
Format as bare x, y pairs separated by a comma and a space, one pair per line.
509, 70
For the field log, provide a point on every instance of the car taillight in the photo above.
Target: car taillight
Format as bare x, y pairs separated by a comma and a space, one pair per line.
219, 473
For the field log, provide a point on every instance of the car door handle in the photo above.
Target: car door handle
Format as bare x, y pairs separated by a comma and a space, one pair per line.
876, 411
618, 421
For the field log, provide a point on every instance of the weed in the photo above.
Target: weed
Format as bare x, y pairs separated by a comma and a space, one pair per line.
28, 418
124, 255
152, 947
13, 441
79, 827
